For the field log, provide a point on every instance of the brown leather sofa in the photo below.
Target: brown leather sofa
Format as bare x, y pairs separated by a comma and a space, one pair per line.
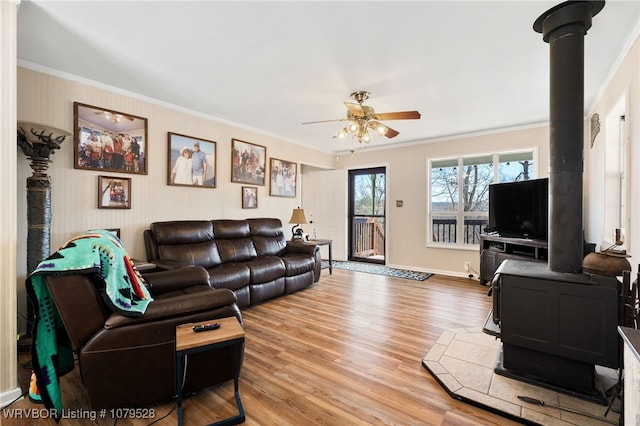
251, 257
128, 362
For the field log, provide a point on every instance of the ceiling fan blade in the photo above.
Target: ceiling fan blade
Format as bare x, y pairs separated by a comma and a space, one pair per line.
324, 121
386, 130
368, 110
354, 109
399, 115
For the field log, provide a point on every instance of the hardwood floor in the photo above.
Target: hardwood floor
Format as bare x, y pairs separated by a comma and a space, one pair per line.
346, 351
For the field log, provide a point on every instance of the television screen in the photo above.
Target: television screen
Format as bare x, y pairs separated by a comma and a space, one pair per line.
520, 209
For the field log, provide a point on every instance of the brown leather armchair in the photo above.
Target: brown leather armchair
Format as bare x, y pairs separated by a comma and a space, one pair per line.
128, 362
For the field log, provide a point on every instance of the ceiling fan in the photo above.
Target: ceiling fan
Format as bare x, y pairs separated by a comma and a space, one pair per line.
362, 118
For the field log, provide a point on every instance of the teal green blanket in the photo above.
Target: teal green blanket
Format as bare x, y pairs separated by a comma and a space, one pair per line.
101, 254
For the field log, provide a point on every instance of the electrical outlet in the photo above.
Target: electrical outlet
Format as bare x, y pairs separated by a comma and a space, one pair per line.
467, 265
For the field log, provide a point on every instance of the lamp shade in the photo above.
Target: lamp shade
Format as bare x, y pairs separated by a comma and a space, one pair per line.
297, 216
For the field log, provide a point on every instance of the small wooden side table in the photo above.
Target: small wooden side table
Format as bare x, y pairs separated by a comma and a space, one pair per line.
188, 342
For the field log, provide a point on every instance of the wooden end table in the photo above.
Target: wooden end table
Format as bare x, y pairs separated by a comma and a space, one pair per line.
188, 342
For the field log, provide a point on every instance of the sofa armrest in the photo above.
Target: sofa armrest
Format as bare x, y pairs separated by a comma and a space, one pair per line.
309, 249
166, 265
176, 279
177, 306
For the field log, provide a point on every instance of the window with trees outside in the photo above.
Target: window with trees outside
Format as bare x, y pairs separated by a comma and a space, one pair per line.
459, 193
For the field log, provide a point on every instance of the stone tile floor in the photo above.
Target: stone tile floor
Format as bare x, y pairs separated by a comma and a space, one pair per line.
463, 362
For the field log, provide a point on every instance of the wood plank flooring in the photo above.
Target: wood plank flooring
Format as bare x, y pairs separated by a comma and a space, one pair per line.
346, 351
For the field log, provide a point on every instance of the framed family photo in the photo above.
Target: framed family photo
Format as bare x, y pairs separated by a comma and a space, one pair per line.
283, 178
249, 197
114, 192
248, 162
192, 161
108, 140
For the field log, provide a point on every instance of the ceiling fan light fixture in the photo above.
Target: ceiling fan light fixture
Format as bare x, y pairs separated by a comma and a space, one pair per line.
362, 118
115, 118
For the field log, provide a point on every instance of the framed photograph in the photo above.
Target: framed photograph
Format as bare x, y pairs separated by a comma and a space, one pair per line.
249, 197
283, 178
109, 140
192, 161
114, 192
248, 162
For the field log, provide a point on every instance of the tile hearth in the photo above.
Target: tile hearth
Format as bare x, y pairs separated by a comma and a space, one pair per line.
463, 362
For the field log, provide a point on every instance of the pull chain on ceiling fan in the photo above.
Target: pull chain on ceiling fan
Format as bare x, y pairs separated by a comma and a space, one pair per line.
363, 120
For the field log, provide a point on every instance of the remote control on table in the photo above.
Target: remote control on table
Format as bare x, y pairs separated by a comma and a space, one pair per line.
205, 327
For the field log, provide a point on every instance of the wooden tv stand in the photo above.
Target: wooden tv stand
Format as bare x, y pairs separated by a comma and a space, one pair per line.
494, 249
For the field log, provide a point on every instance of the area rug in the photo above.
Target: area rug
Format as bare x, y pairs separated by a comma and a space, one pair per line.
463, 360
371, 268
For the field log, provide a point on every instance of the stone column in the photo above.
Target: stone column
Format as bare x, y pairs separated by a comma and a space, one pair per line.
38, 142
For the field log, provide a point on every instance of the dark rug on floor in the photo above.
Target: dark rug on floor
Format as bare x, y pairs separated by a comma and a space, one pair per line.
371, 268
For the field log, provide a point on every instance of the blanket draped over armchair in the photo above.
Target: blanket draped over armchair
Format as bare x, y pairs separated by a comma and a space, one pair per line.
101, 254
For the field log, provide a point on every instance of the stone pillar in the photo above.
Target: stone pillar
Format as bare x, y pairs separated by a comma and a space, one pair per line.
38, 142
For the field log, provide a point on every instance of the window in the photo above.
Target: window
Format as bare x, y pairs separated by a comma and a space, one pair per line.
459, 193
616, 182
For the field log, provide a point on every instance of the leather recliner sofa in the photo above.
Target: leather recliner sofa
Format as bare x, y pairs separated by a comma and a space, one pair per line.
128, 362
251, 257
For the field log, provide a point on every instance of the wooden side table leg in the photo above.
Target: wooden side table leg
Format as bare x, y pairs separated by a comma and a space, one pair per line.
179, 374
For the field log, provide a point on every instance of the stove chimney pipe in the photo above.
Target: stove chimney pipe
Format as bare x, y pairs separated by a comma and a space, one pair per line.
564, 27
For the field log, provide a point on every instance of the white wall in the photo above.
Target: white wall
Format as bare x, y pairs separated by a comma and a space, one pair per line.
9, 389
624, 84
48, 99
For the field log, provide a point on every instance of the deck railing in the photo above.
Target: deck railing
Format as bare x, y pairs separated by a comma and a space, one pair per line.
369, 237
369, 234
445, 230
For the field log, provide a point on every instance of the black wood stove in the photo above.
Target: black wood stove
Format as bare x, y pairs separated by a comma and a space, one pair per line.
555, 322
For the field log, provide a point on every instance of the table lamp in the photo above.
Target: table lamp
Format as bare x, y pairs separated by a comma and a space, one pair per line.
297, 217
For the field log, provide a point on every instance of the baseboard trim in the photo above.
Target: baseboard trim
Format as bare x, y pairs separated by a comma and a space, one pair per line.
9, 396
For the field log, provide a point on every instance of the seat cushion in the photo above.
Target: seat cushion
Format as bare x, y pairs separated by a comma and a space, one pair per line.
265, 268
233, 276
296, 264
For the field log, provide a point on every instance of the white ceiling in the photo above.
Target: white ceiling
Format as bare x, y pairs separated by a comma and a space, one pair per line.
467, 66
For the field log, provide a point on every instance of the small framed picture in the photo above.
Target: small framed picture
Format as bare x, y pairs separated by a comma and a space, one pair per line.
108, 140
248, 162
114, 192
192, 161
249, 197
283, 178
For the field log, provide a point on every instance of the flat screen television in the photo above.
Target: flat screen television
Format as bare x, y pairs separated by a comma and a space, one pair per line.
520, 209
